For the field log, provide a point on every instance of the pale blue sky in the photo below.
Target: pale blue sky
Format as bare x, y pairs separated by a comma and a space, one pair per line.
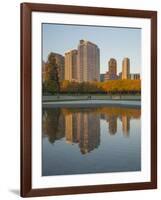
113, 42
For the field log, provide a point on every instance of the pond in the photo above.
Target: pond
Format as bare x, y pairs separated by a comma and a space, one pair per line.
83, 140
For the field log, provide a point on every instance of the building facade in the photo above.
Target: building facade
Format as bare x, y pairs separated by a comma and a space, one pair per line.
135, 76
71, 68
112, 69
106, 76
126, 68
111, 74
88, 61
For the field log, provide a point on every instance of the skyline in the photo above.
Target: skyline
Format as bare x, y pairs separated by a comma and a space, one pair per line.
109, 48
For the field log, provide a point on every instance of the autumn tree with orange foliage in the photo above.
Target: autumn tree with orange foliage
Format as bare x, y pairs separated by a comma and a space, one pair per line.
111, 86
122, 86
93, 87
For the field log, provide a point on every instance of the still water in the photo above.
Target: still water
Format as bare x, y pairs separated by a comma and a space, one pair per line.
90, 140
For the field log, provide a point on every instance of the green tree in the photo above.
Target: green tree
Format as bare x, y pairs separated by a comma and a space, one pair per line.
51, 83
50, 86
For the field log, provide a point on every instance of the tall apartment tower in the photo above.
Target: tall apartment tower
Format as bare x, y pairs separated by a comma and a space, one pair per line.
112, 69
125, 68
71, 72
88, 61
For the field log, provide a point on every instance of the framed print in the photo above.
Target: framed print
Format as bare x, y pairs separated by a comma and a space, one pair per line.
88, 99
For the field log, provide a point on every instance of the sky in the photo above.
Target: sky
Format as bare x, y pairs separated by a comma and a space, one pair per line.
113, 42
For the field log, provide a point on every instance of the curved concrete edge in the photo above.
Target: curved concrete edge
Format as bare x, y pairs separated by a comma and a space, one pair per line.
93, 103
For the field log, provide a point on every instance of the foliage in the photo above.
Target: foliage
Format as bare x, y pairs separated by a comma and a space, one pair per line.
50, 87
122, 86
83, 87
111, 86
51, 76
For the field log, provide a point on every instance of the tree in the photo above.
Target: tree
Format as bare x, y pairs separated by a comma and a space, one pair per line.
125, 86
51, 82
50, 87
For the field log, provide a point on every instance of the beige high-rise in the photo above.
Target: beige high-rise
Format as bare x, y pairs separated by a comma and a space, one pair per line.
88, 61
71, 65
125, 68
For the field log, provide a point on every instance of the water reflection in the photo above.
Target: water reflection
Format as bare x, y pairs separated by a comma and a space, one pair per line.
81, 126
53, 124
125, 125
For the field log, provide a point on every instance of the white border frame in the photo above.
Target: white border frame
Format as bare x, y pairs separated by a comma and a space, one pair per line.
89, 179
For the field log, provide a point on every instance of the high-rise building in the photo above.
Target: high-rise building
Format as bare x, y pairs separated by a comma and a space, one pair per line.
88, 61
71, 72
112, 69
111, 74
125, 68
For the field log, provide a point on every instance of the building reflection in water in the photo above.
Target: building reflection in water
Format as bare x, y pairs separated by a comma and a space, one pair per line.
82, 126
84, 129
71, 125
125, 125
90, 134
112, 124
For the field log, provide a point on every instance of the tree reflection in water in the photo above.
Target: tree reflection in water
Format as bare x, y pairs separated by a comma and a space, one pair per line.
82, 125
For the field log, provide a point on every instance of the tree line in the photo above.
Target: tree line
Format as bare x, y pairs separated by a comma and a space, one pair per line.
111, 86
